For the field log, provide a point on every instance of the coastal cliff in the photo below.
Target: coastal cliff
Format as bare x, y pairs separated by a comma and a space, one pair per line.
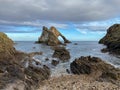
50, 37
6, 46
19, 71
112, 39
14, 74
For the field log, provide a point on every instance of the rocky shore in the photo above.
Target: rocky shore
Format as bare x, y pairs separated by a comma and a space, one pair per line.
76, 82
17, 68
20, 71
88, 73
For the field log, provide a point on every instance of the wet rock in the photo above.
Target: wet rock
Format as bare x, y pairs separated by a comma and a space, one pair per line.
104, 50
37, 74
61, 53
75, 43
50, 37
15, 71
47, 59
68, 71
11, 72
34, 53
95, 67
37, 63
12, 66
54, 62
34, 47
112, 39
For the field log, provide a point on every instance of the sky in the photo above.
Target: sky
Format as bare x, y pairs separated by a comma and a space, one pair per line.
78, 20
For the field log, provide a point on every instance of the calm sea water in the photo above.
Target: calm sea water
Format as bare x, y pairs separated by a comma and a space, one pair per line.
84, 48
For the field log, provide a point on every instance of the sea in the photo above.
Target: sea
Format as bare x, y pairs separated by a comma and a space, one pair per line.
83, 48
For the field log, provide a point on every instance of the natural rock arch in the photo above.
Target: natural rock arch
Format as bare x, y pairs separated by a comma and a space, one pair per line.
50, 36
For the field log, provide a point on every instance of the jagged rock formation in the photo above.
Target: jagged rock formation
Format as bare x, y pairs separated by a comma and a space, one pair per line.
112, 39
96, 68
54, 62
6, 46
50, 36
12, 69
61, 53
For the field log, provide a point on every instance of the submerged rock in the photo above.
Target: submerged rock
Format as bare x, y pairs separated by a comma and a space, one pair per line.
95, 67
54, 62
112, 39
61, 53
75, 43
50, 37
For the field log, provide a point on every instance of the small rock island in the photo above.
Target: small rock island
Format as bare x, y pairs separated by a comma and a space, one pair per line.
50, 37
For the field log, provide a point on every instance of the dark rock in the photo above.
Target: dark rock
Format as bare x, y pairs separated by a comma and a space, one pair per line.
104, 50
54, 62
96, 67
38, 74
16, 71
75, 43
50, 37
34, 47
68, 71
112, 39
34, 53
35, 75
37, 63
61, 53
47, 59
12, 68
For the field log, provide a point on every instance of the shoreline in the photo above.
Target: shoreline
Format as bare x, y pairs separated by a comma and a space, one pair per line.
76, 82
92, 72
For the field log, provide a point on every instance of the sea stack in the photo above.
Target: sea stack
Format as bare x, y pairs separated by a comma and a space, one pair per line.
112, 39
50, 36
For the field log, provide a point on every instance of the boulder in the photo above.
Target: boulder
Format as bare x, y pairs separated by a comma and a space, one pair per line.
37, 74
61, 53
95, 67
54, 62
112, 39
50, 37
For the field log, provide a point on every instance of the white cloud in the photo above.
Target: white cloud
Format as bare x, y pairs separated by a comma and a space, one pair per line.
83, 31
86, 14
58, 10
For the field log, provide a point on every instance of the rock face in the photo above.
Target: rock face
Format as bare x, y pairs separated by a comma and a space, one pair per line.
12, 68
95, 67
112, 39
6, 46
50, 36
61, 53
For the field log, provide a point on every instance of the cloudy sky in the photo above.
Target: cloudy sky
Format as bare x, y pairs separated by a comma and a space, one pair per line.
85, 20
